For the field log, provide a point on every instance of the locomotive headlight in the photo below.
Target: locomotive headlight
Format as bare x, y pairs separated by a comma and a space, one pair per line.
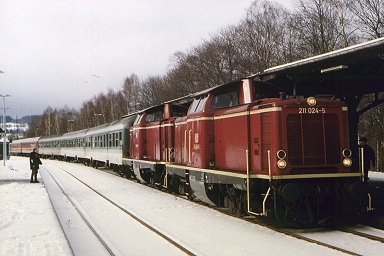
281, 163
347, 153
311, 101
347, 162
281, 154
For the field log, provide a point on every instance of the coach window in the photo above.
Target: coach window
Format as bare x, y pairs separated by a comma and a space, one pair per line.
117, 139
120, 139
225, 100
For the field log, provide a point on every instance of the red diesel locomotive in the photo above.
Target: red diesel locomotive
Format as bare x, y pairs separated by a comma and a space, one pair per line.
248, 147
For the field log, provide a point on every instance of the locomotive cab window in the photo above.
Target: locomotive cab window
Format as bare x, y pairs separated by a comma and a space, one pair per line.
225, 100
265, 91
154, 116
138, 118
197, 104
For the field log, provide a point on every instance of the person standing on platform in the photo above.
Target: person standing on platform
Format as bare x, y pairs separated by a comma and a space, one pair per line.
34, 163
369, 156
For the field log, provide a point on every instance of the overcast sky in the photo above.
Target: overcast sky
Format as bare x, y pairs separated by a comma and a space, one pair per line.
64, 52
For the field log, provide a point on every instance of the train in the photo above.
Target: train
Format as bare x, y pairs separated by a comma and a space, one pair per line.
245, 146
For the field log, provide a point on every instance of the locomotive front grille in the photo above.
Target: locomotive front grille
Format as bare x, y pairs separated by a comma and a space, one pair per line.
313, 139
313, 170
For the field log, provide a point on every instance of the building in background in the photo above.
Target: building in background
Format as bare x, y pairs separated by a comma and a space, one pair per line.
15, 130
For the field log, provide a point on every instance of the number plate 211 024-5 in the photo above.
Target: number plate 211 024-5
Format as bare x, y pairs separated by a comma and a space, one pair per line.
311, 110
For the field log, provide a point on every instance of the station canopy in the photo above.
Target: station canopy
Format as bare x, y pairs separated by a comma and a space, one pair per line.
345, 73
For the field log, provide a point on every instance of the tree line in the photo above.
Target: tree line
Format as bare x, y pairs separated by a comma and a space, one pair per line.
268, 35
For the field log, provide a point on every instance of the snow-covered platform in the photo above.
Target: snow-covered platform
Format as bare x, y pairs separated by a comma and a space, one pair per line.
28, 222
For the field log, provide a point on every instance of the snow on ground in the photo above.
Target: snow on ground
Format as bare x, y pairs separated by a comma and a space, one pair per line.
29, 224
376, 176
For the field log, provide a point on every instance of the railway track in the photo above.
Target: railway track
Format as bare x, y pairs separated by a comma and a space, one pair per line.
362, 234
102, 240
84, 218
291, 232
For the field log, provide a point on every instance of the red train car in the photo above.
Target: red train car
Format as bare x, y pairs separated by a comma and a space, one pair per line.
24, 146
152, 141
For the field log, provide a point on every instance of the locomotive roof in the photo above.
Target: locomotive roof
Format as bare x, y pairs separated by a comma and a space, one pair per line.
213, 88
180, 101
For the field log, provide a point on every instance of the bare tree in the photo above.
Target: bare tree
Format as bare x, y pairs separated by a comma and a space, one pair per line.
118, 102
182, 78
86, 118
101, 112
266, 35
131, 92
369, 17
152, 91
322, 26
47, 122
34, 127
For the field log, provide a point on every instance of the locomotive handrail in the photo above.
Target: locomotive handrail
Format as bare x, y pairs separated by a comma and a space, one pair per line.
361, 160
361, 166
264, 213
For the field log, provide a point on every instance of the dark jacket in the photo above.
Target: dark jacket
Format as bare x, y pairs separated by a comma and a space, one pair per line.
369, 157
34, 161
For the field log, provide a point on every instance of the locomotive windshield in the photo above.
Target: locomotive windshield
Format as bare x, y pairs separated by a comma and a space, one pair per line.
154, 116
197, 104
225, 100
264, 90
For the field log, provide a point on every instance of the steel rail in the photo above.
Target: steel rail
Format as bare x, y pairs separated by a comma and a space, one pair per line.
82, 215
167, 238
